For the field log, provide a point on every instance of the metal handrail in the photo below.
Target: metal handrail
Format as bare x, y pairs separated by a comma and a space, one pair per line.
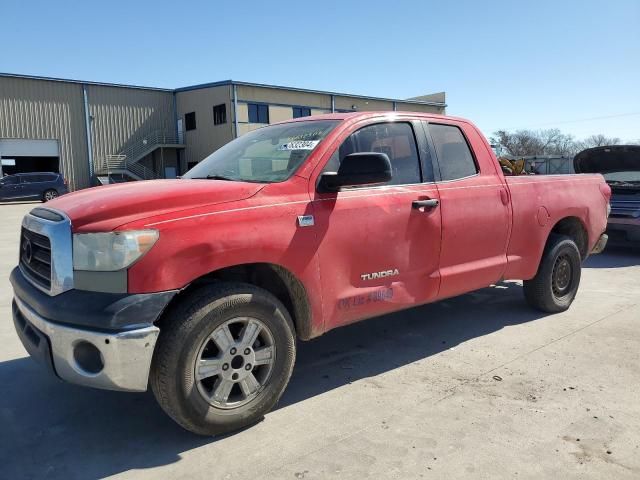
120, 162
144, 142
128, 158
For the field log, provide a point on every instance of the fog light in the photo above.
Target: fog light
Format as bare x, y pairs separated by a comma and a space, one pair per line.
88, 357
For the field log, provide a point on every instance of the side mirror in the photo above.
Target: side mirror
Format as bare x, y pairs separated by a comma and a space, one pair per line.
356, 169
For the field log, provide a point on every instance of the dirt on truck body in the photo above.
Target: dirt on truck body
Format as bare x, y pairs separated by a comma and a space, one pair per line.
200, 287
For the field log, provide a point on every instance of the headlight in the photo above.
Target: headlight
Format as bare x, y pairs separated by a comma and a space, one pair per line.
108, 252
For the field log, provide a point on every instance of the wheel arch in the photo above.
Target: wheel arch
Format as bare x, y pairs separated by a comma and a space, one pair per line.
275, 279
574, 228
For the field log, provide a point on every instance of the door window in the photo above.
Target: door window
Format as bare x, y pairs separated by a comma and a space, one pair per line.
30, 178
452, 150
9, 181
395, 139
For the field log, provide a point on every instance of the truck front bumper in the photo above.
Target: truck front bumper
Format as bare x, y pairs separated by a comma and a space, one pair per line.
116, 355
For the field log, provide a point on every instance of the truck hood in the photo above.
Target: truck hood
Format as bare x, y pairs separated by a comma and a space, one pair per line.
105, 208
615, 158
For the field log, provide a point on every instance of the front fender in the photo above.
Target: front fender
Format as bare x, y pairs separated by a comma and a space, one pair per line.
199, 244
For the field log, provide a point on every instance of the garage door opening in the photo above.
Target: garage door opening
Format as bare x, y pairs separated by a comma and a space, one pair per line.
30, 164
21, 155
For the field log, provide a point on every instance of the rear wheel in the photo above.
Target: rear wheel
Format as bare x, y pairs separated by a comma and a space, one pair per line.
223, 358
49, 195
555, 285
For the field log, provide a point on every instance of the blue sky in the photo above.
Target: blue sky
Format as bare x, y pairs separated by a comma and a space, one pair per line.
574, 65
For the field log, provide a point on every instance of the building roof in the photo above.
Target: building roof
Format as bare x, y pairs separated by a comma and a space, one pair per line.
438, 101
416, 100
370, 114
82, 82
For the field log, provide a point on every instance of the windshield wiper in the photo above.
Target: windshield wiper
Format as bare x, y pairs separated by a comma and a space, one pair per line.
215, 177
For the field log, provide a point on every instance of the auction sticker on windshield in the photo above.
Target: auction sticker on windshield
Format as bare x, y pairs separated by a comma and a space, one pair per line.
299, 145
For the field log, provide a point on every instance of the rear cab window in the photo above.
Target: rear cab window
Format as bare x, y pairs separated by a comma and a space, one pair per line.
452, 151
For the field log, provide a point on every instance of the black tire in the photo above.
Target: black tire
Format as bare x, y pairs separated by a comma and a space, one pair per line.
555, 285
189, 324
49, 195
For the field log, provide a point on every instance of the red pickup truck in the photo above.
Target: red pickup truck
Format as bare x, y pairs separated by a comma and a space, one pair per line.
199, 287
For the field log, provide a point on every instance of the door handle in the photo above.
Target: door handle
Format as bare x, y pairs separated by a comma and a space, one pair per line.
431, 203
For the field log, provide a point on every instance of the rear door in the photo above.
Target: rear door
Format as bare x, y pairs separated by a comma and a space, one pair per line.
378, 253
52, 181
31, 185
475, 209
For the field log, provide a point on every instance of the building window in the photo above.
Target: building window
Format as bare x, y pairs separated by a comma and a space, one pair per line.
220, 114
301, 112
190, 121
258, 113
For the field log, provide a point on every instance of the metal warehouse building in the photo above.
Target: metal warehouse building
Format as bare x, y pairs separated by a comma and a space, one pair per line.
90, 131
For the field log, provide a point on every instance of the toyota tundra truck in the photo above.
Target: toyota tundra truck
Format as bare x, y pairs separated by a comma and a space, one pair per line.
200, 287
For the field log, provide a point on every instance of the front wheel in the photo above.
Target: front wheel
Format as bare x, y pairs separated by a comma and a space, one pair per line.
555, 285
223, 358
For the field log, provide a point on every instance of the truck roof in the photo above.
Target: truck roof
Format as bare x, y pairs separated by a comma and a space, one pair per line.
363, 115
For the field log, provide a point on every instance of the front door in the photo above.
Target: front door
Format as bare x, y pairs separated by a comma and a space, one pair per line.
9, 188
378, 251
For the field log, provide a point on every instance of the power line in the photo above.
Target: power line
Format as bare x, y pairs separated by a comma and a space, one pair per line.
564, 122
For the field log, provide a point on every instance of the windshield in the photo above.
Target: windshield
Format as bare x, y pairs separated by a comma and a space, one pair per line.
269, 154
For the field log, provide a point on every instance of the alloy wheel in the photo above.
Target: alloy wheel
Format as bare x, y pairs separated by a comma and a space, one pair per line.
235, 362
50, 195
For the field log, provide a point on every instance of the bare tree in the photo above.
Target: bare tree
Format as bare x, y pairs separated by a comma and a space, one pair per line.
519, 143
528, 142
557, 143
599, 140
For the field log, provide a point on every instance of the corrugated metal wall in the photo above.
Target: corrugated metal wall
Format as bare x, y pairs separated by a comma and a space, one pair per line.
38, 109
46, 109
123, 115
207, 137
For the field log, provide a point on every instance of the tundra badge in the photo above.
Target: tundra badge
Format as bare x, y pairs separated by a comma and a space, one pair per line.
374, 275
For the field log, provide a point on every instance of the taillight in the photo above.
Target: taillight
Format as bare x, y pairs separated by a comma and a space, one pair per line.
605, 189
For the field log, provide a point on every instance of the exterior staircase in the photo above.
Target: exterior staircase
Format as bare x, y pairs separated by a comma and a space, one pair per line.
127, 161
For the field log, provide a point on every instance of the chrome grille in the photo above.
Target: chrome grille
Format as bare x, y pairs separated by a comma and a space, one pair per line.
47, 262
35, 257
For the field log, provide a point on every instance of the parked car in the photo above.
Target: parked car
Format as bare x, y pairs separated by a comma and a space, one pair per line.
199, 287
43, 186
620, 166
